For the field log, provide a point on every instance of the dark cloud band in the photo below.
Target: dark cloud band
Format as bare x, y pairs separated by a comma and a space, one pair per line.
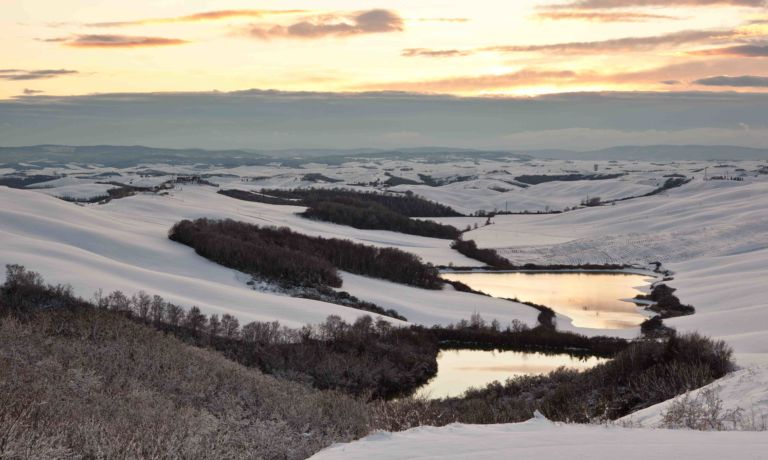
120, 41
744, 81
366, 22
23, 75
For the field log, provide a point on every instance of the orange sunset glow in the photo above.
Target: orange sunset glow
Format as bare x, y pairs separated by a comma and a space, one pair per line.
487, 47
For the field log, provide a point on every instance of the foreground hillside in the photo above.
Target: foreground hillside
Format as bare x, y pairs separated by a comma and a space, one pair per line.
94, 384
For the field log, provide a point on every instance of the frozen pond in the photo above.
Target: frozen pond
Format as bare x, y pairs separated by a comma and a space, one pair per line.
458, 370
600, 300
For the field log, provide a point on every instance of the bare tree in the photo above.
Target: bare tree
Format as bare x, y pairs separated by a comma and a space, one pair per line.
173, 314
214, 325
141, 304
229, 326
157, 309
195, 320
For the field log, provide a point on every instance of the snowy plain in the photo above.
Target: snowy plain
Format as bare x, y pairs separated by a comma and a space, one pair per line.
541, 439
712, 236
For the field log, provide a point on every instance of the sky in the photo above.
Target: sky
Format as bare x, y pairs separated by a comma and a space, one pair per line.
69, 55
519, 47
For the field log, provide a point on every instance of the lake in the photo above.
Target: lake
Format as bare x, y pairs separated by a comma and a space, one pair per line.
458, 370
598, 300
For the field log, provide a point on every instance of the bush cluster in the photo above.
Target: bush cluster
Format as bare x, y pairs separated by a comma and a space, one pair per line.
365, 210
643, 374
294, 259
487, 256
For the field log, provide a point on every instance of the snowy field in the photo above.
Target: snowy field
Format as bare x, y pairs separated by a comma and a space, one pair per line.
712, 235
540, 439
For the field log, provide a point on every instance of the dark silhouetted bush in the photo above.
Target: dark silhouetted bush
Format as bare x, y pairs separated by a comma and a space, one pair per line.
293, 259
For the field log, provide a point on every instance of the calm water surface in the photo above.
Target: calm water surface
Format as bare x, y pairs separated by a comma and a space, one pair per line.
591, 299
459, 370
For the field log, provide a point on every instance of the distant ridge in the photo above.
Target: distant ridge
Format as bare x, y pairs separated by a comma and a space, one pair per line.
661, 152
121, 156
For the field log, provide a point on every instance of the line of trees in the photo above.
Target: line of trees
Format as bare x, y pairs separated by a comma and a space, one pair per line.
407, 204
476, 333
365, 210
374, 216
294, 259
492, 258
487, 256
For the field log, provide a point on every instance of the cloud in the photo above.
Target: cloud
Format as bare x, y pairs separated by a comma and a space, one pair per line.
199, 17
458, 20
23, 75
119, 41
365, 22
602, 16
664, 75
608, 4
470, 83
31, 92
618, 45
738, 50
744, 81
426, 52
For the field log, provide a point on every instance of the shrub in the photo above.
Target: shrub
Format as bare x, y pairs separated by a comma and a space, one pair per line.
643, 374
703, 412
293, 259
487, 256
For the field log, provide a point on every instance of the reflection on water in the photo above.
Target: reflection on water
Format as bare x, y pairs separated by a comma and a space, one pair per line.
458, 370
590, 299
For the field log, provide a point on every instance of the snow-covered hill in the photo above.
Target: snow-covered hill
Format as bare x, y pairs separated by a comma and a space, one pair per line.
124, 245
713, 235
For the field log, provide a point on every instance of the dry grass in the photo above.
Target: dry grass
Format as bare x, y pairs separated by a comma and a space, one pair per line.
92, 384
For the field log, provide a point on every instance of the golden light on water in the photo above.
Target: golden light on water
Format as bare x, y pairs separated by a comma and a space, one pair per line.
459, 370
591, 300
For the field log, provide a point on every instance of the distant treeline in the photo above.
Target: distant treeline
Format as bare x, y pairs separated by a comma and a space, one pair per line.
478, 334
365, 210
491, 258
535, 179
374, 216
293, 259
487, 256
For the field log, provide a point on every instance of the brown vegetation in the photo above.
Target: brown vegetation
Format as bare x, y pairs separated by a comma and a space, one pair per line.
294, 259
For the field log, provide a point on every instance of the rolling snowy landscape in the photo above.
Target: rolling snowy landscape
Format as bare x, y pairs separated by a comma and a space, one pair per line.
707, 238
283, 230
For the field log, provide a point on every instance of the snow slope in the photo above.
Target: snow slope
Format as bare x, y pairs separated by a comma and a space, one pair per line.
540, 439
124, 245
713, 235
745, 389
728, 292
425, 306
